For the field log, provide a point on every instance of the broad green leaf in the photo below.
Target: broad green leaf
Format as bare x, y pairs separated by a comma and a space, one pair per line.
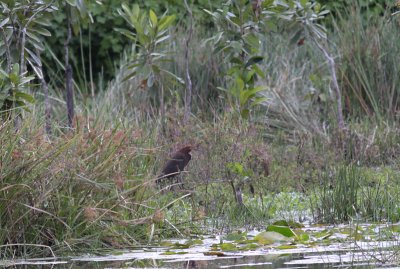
129, 76
25, 80
41, 31
43, 21
239, 84
270, 237
249, 75
160, 40
252, 40
4, 22
33, 36
127, 33
135, 11
166, 22
153, 18
258, 71
126, 8
258, 100
254, 60
34, 57
284, 230
247, 95
27, 97
303, 3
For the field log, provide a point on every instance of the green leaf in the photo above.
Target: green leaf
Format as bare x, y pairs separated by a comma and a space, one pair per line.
153, 18
15, 69
129, 76
249, 75
4, 22
252, 40
239, 84
166, 22
283, 230
303, 3
71, 2
254, 60
244, 113
127, 33
135, 11
245, 96
258, 100
177, 78
160, 40
270, 237
14, 78
27, 97
41, 31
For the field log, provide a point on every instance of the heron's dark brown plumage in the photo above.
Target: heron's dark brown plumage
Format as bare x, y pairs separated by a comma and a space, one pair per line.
176, 163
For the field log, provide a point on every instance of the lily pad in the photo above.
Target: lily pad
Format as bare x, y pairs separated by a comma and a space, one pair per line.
251, 246
192, 242
173, 253
283, 230
286, 247
180, 246
236, 236
290, 223
228, 247
302, 237
270, 237
214, 253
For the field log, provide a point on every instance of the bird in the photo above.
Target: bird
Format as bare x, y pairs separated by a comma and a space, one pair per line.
176, 163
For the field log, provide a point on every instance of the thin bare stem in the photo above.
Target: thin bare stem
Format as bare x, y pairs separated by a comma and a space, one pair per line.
189, 87
331, 63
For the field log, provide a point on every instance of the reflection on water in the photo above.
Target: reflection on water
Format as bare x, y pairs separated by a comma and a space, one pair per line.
268, 261
326, 247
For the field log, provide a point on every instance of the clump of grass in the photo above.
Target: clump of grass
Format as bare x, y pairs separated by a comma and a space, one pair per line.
351, 192
82, 189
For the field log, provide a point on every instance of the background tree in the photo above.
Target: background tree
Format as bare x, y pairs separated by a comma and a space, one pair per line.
149, 34
23, 27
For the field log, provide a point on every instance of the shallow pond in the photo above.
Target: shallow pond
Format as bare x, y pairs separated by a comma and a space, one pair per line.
361, 246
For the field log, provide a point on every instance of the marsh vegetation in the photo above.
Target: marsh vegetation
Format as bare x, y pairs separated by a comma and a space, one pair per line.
293, 111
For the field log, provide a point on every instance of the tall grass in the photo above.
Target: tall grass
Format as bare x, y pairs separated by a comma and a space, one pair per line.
349, 192
72, 190
369, 70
